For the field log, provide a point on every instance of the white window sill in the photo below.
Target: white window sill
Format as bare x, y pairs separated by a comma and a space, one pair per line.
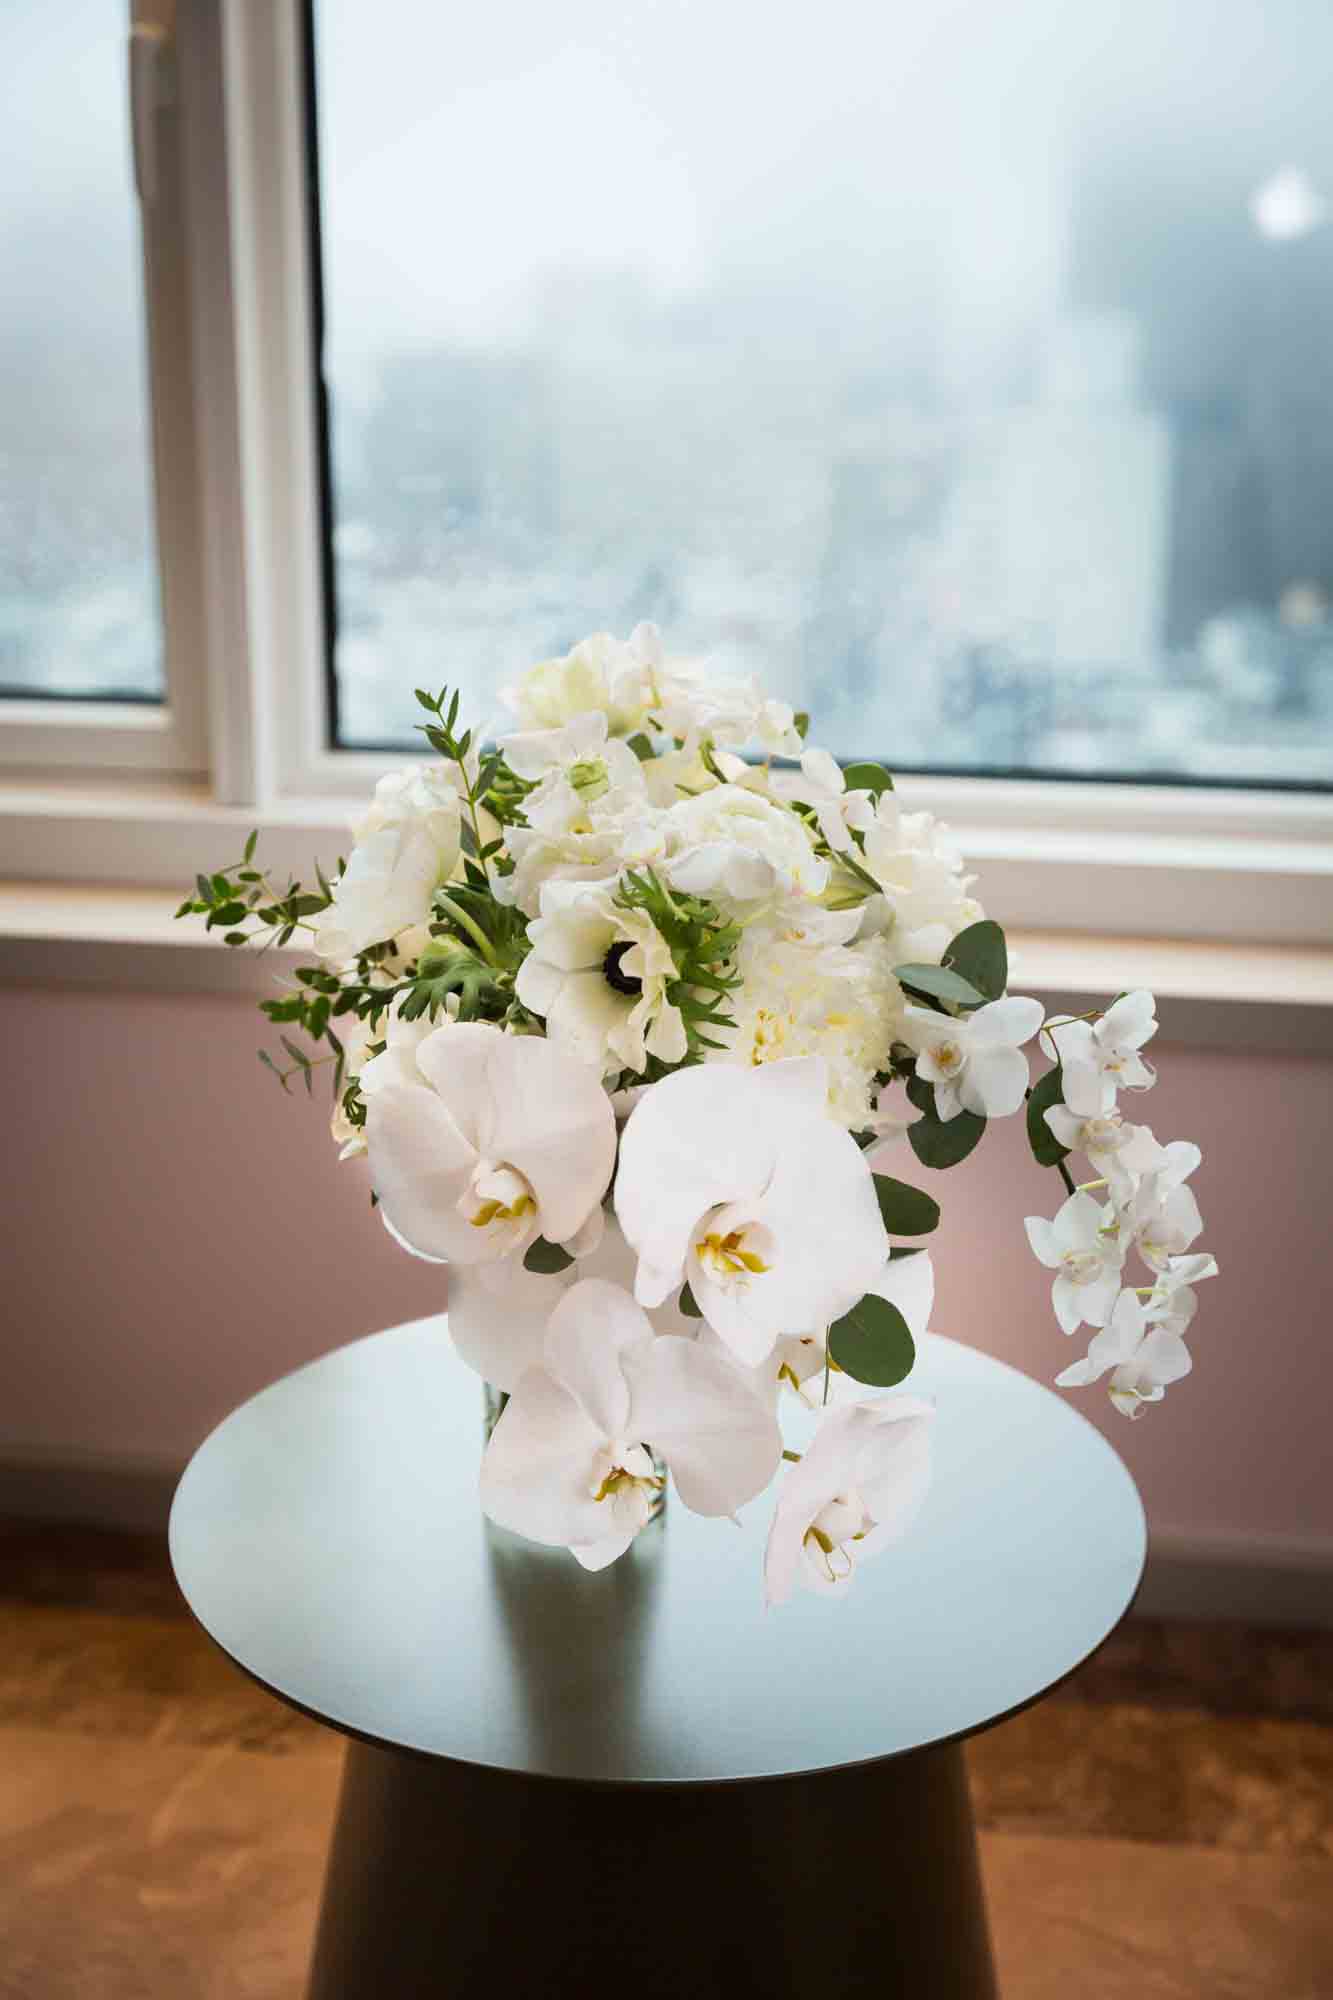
1210, 993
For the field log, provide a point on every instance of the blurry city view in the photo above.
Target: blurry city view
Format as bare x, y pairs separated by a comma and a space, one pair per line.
78, 579
972, 378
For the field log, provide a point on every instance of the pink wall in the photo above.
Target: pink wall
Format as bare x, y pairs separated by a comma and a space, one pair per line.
181, 1234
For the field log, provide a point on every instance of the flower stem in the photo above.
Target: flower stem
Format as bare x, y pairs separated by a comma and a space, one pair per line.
465, 922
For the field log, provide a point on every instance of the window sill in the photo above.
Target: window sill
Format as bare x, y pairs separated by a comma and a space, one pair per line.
1209, 993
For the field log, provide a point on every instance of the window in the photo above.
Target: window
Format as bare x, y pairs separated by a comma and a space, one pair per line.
79, 614
967, 368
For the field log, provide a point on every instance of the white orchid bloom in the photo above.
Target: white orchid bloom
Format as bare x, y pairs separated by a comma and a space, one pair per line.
1163, 1216
738, 1181
733, 844
1172, 1303
498, 1313
1100, 1057
598, 974
1082, 1244
974, 1061
506, 1139
857, 1489
1122, 1153
1143, 1359
406, 847
822, 786
798, 1359
569, 1462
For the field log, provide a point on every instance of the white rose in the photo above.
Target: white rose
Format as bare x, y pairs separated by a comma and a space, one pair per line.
407, 845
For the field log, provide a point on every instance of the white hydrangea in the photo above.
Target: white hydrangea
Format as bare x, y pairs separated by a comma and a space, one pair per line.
806, 991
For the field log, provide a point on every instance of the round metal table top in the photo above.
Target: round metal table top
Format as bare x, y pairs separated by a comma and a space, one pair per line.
329, 1538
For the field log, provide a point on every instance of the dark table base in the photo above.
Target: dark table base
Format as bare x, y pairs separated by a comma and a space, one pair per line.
449, 1879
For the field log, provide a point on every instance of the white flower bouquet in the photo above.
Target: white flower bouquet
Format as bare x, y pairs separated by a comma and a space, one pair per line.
639, 1036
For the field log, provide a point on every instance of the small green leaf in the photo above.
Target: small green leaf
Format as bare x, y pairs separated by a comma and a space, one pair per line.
427, 701
907, 1211
641, 746
688, 1304
205, 888
548, 1258
800, 722
186, 907
905, 1250
226, 913
252, 842
236, 937
1046, 1148
937, 982
944, 1142
873, 1343
867, 778
979, 954
269, 1064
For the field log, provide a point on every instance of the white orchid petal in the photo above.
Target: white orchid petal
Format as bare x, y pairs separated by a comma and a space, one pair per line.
706, 1419
1008, 1022
420, 1164
498, 1316
994, 1083
455, 1060
553, 1121
589, 1331
536, 1472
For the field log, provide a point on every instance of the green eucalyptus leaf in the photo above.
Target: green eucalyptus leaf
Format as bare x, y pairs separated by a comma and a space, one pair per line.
939, 982
873, 1343
1046, 1148
548, 1258
252, 841
688, 1305
943, 1142
905, 1250
906, 1210
980, 955
867, 778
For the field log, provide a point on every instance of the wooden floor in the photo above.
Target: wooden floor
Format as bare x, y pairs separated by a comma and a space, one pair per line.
1161, 1829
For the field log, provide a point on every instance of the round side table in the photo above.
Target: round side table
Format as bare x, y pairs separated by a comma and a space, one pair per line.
561, 1784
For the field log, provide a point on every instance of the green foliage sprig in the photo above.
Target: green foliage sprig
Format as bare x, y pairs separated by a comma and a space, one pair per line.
702, 945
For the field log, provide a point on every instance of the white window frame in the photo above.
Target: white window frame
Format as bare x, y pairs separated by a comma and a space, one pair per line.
243, 739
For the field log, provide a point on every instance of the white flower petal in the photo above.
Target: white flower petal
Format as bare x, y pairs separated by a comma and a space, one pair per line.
589, 1331
498, 1317
536, 1472
1009, 1022
553, 1121
995, 1081
707, 1421
420, 1164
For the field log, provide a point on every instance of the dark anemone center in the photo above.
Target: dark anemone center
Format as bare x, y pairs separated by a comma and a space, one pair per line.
618, 981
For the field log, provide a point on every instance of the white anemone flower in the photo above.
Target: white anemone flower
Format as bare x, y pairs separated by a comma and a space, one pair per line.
857, 1489
731, 843
1098, 1058
506, 1138
569, 1463
598, 974
1082, 1244
975, 1061
1143, 1359
739, 1181
406, 847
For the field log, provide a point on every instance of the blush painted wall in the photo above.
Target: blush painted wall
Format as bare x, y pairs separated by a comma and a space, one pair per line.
179, 1234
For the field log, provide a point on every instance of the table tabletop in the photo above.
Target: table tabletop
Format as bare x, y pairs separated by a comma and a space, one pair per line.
328, 1536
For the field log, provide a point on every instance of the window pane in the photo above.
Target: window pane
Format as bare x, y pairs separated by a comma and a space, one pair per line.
968, 368
78, 586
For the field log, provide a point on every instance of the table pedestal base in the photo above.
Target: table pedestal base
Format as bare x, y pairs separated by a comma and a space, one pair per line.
449, 1879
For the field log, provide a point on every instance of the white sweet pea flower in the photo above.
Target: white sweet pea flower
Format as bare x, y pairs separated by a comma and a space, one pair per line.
406, 847
738, 1181
974, 1061
1083, 1246
572, 768
798, 1359
598, 976
924, 900
569, 1462
601, 675
858, 1488
1143, 1359
506, 1139
822, 786
1122, 1153
1098, 1058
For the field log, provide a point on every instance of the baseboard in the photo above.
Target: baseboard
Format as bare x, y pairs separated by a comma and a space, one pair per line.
102, 1490
1262, 1580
